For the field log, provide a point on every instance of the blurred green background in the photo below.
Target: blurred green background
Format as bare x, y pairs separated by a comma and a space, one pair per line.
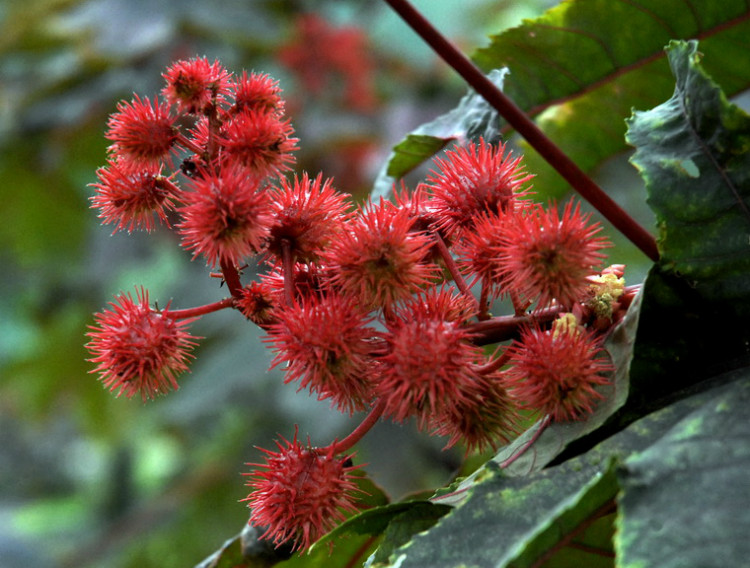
90, 480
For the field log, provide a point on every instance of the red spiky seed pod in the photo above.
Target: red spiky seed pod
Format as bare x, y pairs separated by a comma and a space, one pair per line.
547, 256
132, 199
557, 371
477, 254
378, 259
226, 217
473, 181
196, 85
257, 92
257, 302
138, 349
143, 132
430, 365
300, 493
261, 141
325, 344
308, 214
488, 416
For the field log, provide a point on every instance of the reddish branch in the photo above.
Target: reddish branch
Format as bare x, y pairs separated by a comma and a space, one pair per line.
200, 310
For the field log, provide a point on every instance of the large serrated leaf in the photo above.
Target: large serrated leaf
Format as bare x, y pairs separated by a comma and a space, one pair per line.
594, 60
693, 152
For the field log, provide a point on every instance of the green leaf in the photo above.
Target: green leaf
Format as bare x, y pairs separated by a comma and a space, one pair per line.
505, 518
563, 515
472, 119
588, 62
684, 499
694, 155
246, 550
412, 151
692, 152
419, 517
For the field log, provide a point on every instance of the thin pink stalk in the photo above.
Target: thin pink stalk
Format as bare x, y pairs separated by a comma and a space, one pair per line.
494, 364
189, 144
364, 427
287, 260
232, 278
450, 264
519, 306
527, 445
484, 301
200, 310
576, 177
502, 328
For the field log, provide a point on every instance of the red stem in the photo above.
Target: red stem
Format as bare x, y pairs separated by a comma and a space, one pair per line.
200, 310
359, 432
189, 144
519, 306
232, 278
494, 364
502, 328
287, 260
451, 266
484, 301
576, 177
527, 445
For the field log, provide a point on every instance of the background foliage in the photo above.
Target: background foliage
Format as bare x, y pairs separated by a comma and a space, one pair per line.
90, 480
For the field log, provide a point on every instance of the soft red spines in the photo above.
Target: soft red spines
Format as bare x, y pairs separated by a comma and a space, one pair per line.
196, 85
486, 416
378, 259
325, 345
261, 141
557, 371
300, 493
547, 256
257, 302
143, 132
477, 252
309, 280
226, 217
138, 349
430, 363
308, 213
131, 199
257, 92
473, 181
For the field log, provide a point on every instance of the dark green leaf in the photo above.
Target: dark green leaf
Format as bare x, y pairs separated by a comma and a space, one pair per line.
684, 499
556, 514
412, 151
505, 518
594, 60
694, 155
246, 550
417, 518
692, 152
